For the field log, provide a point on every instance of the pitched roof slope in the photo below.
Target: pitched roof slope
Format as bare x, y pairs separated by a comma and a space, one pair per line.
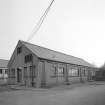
46, 53
3, 63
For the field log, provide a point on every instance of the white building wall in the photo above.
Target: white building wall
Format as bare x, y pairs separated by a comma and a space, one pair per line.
3, 76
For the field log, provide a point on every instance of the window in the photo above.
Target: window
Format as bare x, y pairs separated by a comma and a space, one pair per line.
83, 72
60, 71
79, 72
32, 72
57, 71
6, 71
28, 58
19, 50
53, 71
1, 71
73, 72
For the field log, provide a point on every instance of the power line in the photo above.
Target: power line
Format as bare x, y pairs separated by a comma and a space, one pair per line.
39, 23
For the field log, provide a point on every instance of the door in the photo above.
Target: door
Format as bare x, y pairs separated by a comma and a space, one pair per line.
19, 75
32, 75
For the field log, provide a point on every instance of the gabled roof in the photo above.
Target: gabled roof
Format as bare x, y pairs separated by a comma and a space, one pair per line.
46, 53
3, 63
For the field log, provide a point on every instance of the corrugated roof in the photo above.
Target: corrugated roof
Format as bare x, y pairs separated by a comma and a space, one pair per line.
3, 63
46, 53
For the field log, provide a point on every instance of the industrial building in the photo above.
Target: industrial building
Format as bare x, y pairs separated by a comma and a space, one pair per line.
36, 66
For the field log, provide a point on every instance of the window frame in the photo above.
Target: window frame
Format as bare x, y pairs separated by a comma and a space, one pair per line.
28, 58
73, 72
19, 50
61, 71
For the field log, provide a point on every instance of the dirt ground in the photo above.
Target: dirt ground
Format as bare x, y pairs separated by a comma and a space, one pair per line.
77, 94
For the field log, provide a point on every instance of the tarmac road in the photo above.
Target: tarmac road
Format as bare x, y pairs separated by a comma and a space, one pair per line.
85, 95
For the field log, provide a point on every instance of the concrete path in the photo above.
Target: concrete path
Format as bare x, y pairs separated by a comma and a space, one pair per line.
82, 95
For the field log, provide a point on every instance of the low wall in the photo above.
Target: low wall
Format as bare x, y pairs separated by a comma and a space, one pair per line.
3, 81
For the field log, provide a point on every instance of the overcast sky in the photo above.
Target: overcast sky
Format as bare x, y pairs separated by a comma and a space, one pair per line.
75, 27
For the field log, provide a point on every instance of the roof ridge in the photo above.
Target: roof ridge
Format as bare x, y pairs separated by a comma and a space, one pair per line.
51, 49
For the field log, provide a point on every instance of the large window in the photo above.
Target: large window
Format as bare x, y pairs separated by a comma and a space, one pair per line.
28, 58
32, 72
57, 71
53, 71
6, 71
60, 71
73, 72
83, 72
19, 50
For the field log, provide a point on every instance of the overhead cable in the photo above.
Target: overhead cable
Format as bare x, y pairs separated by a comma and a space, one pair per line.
39, 23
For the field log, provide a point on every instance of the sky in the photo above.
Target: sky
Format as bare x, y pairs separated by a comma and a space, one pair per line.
74, 27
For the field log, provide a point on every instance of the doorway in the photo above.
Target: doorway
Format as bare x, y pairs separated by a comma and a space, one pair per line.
32, 75
19, 75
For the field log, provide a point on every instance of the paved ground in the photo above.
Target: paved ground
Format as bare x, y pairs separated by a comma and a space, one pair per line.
86, 94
